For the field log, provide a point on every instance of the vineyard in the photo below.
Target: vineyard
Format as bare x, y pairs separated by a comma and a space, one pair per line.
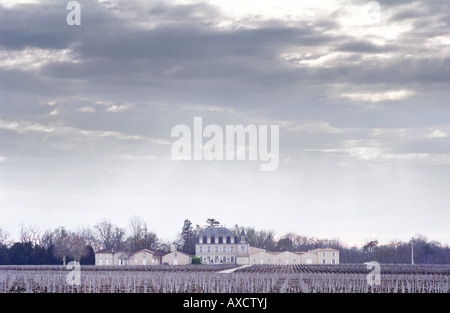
343, 278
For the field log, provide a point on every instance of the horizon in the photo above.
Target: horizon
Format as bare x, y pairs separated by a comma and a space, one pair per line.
277, 236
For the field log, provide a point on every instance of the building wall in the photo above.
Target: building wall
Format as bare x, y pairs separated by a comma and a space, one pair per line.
104, 259
261, 257
242, 260
144, 257
309, 258
327, 256
291, 258
216, 253
286, 258
177, 258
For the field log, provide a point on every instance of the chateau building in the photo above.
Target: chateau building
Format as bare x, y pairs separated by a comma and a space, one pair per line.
141, 257
219, 245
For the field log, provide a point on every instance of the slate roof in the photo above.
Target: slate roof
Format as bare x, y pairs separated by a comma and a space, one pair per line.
217, 232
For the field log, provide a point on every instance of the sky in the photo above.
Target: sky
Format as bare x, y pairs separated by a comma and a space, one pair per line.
359, 89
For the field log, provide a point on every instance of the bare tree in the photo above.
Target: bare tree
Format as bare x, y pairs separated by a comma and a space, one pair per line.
90, 237
61, 244
47, 239
370, 245
109, 236
76, 245
4, 238
30, 234
141, 237
264, 239
137, 227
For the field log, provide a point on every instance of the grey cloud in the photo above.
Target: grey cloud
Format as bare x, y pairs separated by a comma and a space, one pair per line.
364, 47
181, 65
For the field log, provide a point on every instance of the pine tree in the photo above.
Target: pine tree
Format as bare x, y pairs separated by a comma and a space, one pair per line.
188, 238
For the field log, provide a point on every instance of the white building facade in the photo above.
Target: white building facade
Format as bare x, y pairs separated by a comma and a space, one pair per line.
219, 245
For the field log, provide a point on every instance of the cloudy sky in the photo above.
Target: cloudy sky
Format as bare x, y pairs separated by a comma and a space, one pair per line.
359, 89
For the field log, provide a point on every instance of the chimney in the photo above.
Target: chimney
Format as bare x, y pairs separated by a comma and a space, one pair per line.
236, 229
197, 229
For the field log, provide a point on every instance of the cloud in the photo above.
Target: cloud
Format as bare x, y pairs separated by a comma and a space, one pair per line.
34, 58
436, 133
119, 108
87, 109
391, 95
11, 3
23, 127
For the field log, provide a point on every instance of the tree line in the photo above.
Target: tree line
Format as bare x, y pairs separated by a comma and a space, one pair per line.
424, 251
61, 245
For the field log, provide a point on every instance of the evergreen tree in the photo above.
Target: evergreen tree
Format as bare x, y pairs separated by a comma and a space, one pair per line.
89, 258
4, 258
187, 240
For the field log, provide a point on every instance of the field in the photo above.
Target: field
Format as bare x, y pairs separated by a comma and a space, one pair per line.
343, 278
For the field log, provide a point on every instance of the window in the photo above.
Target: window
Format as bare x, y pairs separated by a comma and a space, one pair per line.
224, 249
323, 254
209, 249
324, 261
333, 261
201, 248
242, 248
216, 249
175, 254
333, 254
231, 249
